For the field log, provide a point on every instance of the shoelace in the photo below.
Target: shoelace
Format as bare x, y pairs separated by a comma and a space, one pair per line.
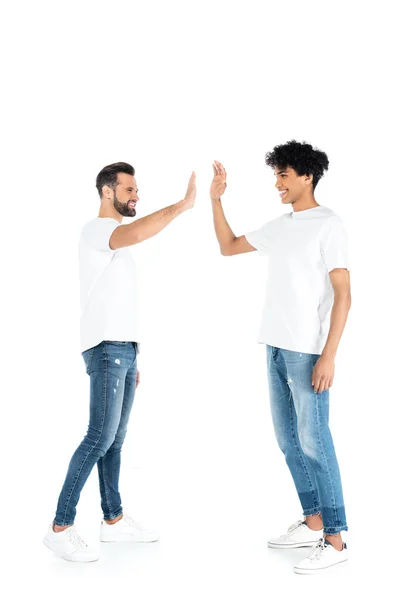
316, 552
76, 539
292, 529
133, 523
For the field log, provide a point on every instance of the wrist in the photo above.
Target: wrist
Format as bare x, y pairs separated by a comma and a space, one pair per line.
215, 198
182, 205
329, 353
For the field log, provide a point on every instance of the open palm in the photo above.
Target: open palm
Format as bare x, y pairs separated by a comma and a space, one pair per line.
218, 184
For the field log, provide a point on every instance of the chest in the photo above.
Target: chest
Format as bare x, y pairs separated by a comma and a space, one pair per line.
296, 243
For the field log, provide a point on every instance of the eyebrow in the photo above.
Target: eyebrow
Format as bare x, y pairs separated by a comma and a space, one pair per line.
280, 172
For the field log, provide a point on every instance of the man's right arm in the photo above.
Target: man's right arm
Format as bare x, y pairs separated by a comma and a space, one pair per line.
146, 227
228, 242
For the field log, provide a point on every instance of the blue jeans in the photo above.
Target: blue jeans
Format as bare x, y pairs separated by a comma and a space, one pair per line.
112, 369
300, 417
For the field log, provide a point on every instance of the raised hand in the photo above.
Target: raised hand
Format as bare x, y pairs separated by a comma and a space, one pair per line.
218, 184
190, 192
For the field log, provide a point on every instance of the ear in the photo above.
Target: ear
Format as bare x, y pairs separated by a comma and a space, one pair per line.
106, 192
308, 179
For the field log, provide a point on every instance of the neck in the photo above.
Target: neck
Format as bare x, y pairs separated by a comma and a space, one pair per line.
109, 212
304, 202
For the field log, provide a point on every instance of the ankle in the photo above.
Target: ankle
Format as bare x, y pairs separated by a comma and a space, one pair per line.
314, 522
59, 528
114, 520
336, 541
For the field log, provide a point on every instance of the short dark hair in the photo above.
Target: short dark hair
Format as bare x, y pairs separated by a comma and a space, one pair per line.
109, 175
301, 157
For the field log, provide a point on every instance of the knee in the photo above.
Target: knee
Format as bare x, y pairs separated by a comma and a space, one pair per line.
99, 441
285, 440
308, 442
104, 444
119, 440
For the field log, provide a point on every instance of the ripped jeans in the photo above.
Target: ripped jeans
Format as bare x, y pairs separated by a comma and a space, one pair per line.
300, 417
112, 369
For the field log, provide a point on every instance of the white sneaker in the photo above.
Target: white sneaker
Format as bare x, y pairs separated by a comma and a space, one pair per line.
299, 535
322, 557
69, 545
126, 530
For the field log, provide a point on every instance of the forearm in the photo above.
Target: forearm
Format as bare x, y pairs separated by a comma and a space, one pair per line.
146, 227
340, 311
223, 232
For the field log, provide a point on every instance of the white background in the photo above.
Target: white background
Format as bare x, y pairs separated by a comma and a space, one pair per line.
169, 87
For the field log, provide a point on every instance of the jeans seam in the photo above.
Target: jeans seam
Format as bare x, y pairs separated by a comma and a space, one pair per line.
291, 407
105, 485
325, 459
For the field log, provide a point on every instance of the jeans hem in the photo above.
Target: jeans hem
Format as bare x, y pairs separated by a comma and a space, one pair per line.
112, 517
333, 530
62, 524
311, 511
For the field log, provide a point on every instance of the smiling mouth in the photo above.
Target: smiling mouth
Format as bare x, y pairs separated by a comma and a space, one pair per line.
283, 193
131, 204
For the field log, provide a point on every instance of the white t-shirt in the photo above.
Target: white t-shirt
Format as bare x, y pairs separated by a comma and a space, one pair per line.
108, 287
302, 248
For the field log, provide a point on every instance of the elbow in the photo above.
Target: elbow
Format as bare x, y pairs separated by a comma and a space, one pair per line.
344, 299
228, 249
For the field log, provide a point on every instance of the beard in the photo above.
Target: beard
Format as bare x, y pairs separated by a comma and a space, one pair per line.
123, 208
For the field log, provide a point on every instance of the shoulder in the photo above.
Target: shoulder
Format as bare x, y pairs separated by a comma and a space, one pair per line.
99, 225
277, 222
99, 222
97, 232
331, 220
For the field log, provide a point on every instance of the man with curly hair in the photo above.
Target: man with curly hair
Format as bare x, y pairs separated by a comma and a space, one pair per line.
307, 303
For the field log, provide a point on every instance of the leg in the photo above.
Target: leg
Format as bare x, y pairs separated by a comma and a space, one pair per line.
315, 437
106, 397
109, 464
285, 424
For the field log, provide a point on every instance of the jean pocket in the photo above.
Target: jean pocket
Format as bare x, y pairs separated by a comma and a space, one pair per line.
118, 343
87, 356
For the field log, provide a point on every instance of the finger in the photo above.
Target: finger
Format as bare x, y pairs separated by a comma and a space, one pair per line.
222, 169
218, 165
215, 170
322, 386
315, 379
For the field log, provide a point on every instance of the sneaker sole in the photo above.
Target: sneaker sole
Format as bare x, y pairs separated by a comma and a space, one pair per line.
301, 571
49, 546
289, 546
127, 539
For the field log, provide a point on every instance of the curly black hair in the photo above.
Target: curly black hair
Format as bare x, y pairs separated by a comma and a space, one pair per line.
301, 157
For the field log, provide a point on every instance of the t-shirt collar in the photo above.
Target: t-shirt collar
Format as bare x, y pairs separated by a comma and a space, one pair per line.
306, 214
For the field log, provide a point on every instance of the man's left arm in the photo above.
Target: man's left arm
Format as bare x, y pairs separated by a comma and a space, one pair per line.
323, 373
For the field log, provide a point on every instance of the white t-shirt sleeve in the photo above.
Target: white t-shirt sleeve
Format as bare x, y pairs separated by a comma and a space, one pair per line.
97, 233
334, 245
258, 239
